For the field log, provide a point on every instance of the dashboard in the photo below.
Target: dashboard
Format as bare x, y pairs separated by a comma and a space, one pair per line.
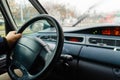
87, 52
99, 36
95, 51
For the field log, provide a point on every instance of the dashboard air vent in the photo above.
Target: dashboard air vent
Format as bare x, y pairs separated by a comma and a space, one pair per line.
118, 43
109, 42
95, 40
104, 42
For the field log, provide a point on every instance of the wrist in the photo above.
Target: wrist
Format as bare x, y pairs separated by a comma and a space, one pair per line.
6, 43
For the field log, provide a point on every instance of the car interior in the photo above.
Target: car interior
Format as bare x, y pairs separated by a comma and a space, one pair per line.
49, 49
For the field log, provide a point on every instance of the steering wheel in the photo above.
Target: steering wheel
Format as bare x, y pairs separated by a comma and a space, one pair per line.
32, 56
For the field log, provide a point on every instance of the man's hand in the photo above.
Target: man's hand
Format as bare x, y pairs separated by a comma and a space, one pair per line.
12, 37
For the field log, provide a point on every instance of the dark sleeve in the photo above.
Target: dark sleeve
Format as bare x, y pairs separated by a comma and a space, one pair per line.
3, 45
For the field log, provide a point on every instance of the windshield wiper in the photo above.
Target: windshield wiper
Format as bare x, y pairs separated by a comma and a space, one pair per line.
81, 18
85, 14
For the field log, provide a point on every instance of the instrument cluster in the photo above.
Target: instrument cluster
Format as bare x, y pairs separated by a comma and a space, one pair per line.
109, 31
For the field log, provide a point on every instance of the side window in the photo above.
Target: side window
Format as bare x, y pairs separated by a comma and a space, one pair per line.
2, 26
22, 11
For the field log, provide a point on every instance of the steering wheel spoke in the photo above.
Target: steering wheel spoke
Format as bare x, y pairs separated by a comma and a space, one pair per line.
18, 71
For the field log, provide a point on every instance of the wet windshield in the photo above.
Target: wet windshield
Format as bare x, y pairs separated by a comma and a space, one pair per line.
83, 12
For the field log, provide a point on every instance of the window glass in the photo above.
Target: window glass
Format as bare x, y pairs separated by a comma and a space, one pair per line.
2, 26
22, 11
83, 12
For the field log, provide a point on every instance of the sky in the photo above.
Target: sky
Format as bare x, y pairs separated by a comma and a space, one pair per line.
102, 5
83, 5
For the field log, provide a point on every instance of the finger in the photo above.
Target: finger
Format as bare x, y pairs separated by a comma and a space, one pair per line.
18, 35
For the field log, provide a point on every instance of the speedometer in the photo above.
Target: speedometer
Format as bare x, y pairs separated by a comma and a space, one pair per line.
112, 31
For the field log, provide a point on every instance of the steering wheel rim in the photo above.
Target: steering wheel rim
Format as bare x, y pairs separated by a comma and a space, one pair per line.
59, 45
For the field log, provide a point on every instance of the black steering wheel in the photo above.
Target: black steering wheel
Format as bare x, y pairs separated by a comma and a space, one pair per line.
32, 56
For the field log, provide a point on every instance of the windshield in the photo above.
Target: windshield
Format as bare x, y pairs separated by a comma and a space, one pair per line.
83, 12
